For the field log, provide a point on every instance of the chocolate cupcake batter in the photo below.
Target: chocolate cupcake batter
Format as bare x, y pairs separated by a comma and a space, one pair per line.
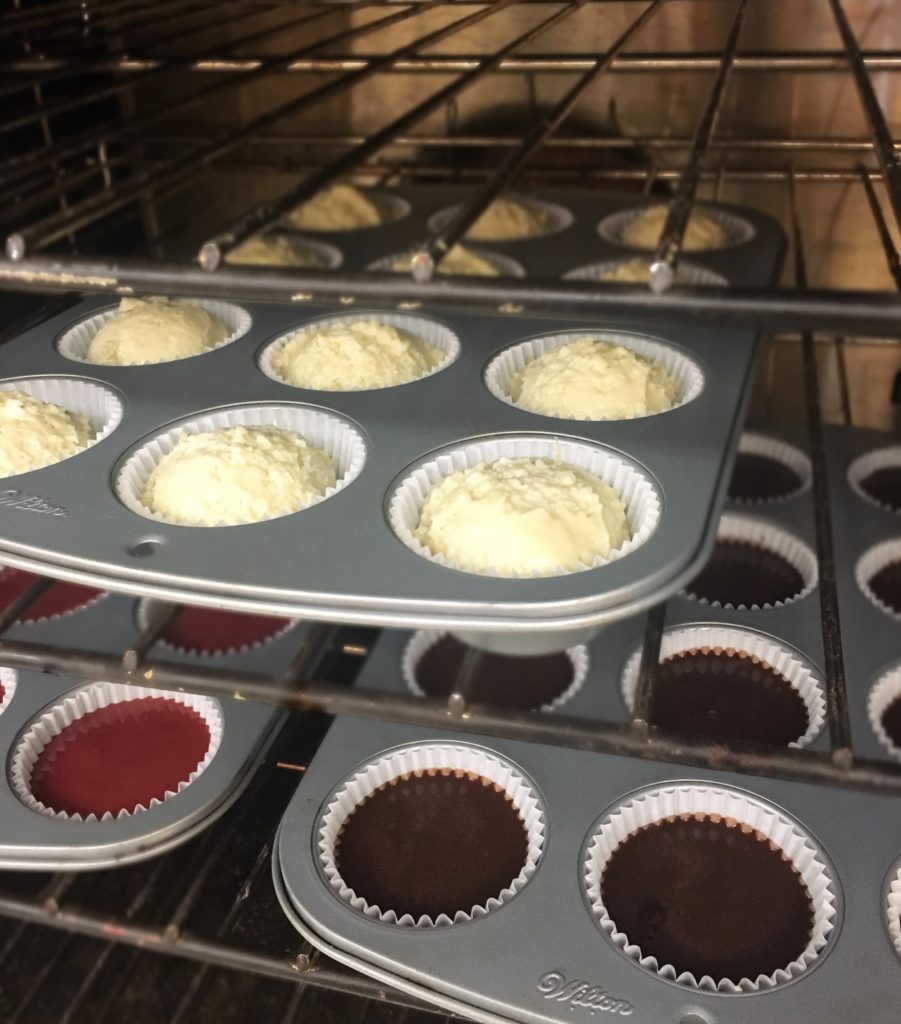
505, 681
884, 486
886, 585
741, 573
708, 897
891, 721
724, 697
761, 478
432, 843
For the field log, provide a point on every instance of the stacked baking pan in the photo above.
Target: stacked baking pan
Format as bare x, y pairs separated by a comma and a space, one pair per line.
349, 557
549, 947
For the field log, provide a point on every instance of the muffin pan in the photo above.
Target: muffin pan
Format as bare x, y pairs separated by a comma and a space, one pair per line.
545, 957
340, 560
31, 840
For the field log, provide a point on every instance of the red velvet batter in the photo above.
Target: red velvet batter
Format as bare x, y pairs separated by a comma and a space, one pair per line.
205, 629
2, 692
59, 599
120, 756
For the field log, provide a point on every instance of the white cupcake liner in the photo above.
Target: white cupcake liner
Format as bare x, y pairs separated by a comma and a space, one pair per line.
752, 443
558, 219
424, 639
636, 492
330, 256
421, 759
74, 343
421, 327
685, 800
90, 698
893, 911
392, 208
321, 429
871, 562
757, 531
884, 692
9, 678
56, 616
505, 265
757, 647
101, 406
686, 273
737, 230
688, 376
144, 617
872, 462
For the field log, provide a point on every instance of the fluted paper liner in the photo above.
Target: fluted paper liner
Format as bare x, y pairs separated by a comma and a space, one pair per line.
885, 691
872, 462
871, 562
639, 497
320, 429
773, 538
736, 229
686, 373
505, 265
458, 758
752, 443
8, 679
686, 273
75, 342
424, 639
330, 257
392, 208
83, 701
431, 331
732, 805
99, 405
742, 642
56, 616
558, 219
893, 911
144, 616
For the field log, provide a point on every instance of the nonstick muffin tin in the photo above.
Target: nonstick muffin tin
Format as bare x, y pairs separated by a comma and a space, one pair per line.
543, 956
32, 840
340, 559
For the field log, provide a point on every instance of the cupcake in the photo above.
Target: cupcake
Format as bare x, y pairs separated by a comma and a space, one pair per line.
337, 208
206, 631
505, 220
34, 433
459, 261
638, 271
876, 476
8, 680
880, 577
884, 711
431, 835
237, 475
643, 231
767, 469
60, 599
278, 251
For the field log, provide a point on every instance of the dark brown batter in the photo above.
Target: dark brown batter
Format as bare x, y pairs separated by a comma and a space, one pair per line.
740, 573
891, 721
501, 680
886, 585
726, 697
432, 844
761, 478
884, 486
708, 898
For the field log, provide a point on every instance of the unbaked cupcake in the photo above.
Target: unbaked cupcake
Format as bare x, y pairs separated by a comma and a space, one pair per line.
276, 251
59, 599
336, 208
505, 220
703, 231
459, 261
34, 434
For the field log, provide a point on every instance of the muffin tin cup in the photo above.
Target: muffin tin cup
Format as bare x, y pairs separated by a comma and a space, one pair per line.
144, 617
721, 804
686, 373
634, 489
752, 443
871, 562
424, 639
505, 265
686, 273
557, 219
99, 405
885, 691
757, 647
420, 759
872, 462
321, 429
8, 680
737, 230
328, 257
74, 343
425, 329
751, 530
41, 620
893, 911
392, 208
82, 702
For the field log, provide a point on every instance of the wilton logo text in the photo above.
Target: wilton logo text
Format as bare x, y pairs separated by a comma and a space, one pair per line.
593, 998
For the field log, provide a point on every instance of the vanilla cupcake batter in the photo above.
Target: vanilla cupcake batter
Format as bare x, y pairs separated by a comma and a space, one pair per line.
155, 330
587, 379
522, 516
34, 434
350, 355
703, 231
508, 219
237, 475
339, 208
274, 251
459, 261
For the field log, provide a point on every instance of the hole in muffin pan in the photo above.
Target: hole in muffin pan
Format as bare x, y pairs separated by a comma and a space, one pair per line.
146, 547
768, 470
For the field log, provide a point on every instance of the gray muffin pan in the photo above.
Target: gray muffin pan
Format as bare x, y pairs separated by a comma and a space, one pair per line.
32, 841
340, 560
518, 963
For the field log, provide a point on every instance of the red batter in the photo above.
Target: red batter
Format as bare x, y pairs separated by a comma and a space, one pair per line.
59, 599
205, 629
120, 756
